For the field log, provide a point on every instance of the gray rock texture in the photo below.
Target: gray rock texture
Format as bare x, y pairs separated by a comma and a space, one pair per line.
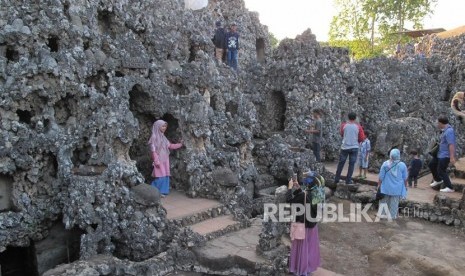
81, 83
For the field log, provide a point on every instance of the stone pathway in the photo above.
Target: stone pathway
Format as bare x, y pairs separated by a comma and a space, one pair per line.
422, 194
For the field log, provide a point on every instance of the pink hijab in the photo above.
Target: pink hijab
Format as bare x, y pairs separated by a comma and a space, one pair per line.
158, 141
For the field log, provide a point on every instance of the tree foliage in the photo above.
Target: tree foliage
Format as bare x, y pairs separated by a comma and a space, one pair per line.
374, 21
273, 40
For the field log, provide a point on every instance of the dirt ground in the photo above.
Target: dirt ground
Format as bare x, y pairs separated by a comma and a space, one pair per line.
407, 246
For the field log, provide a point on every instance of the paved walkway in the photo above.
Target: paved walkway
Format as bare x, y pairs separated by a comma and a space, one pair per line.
423, 193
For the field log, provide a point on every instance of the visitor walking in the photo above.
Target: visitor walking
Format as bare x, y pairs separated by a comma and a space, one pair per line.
232, 46
160, 148
305, 253
364, 156
316, 134
414, 169
352, 134
219, 42
393, 183
446, 154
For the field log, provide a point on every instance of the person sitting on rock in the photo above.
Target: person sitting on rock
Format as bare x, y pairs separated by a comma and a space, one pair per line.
160, 148
305, 253
456, 102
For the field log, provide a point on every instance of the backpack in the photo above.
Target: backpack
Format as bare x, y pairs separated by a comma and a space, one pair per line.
318, 190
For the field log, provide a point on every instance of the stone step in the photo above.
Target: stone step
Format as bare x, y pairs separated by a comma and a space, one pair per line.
215, 227
232, 254
184, 211
200, 216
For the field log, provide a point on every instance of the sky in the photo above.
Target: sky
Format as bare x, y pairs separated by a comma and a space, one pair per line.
291, 17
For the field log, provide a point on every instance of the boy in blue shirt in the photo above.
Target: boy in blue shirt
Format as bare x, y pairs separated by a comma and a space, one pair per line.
414, 169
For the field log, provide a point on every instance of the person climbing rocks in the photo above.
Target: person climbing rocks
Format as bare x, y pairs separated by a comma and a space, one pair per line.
352, 134
446, 154
219, 42
457, 101
232, 46
160, 149
317, 134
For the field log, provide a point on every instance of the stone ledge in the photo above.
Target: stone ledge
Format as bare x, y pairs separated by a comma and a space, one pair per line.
201, 216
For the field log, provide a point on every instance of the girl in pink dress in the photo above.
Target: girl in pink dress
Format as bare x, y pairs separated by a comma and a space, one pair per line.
160, 148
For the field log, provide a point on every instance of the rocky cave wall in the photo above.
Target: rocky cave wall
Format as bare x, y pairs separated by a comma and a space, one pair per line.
81, 83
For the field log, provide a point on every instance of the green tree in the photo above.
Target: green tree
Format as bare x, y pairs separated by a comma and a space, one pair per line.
375, 20
273, 40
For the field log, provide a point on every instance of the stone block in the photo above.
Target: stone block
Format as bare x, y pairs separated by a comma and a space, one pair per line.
146, 195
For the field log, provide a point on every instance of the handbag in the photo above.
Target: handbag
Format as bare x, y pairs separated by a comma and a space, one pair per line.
379, 195
434, 149
297, 231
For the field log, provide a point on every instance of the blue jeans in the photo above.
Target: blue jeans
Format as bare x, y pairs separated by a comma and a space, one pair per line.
438, 167
232, 58
316, 148
352, 153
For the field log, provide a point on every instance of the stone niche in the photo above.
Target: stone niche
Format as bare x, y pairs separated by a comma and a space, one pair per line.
274, 112
260, 46
6, 188
18, 261
61, 246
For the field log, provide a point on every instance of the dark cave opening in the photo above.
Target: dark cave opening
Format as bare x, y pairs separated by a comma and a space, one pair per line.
53, 43
25, 116
11, 54
82, 153
350, 89
19, 261
139, 150
6, 190
260, 47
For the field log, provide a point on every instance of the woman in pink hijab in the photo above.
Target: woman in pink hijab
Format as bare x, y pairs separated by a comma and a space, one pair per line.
160, 148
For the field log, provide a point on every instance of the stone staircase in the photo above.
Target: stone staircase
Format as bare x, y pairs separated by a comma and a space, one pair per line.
230, 244
207, 217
